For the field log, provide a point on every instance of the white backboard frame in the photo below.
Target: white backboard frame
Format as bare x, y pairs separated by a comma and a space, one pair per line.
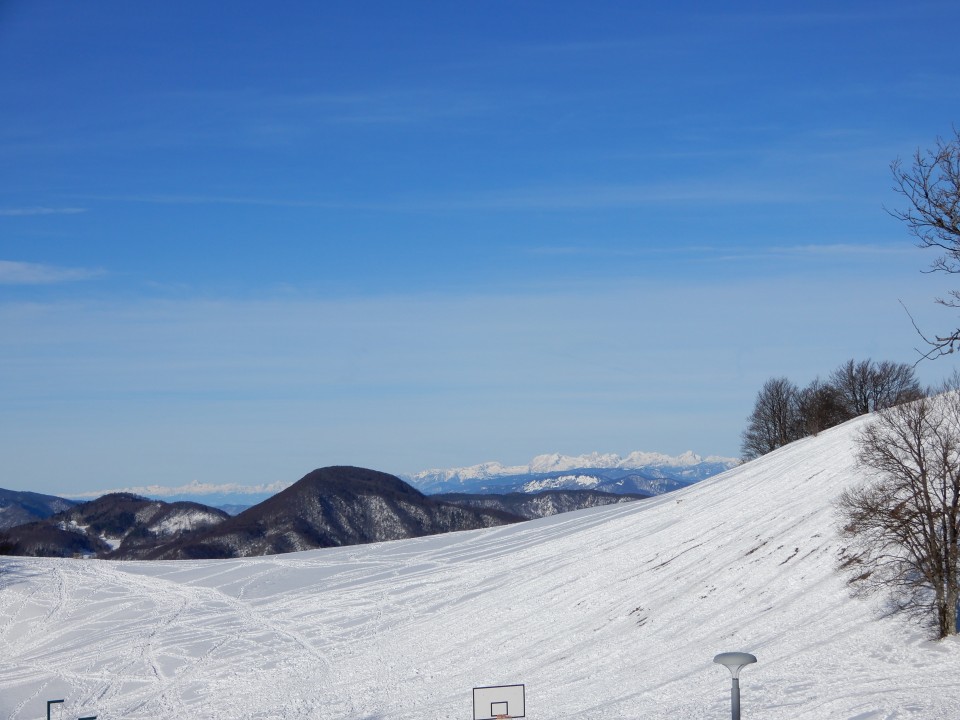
488, 702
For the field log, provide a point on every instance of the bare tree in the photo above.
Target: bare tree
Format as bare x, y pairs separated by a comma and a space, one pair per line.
893, 384
931, 185
905, 523
866, 386
852, 381
775, 420
820, 407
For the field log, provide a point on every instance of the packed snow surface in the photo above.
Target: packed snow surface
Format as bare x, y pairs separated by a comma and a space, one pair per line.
613, 612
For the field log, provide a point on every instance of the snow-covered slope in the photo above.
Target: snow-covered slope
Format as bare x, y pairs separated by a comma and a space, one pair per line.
612, 612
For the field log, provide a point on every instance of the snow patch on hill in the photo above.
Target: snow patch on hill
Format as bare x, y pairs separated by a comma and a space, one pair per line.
184, 521
584, 482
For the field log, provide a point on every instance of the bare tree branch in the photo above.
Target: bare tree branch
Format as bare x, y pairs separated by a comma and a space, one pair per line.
931, 186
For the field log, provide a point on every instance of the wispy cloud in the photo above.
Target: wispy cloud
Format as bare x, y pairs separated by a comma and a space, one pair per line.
168, 199
726, 252
585, 197
193, 488
26, 273
402, 106
560, 250
262, 118
827, 250
844, 249
778, 16
40, 210
602, 196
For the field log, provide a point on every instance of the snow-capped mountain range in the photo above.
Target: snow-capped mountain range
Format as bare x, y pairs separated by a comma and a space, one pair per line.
645, 472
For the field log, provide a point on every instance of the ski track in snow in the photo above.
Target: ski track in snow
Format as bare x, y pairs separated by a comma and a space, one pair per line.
611, 612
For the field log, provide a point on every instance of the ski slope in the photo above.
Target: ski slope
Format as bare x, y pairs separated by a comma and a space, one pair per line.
612, 612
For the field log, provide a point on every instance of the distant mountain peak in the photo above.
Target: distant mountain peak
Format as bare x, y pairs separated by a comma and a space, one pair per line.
356, 478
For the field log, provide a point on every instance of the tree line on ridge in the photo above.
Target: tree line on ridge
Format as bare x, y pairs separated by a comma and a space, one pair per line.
784, 412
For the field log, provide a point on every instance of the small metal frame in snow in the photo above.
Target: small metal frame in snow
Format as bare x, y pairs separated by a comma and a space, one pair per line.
499, 701
52, 702
60, 702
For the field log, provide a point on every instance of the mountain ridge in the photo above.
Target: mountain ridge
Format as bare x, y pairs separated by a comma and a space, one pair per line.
114, 526
18, 507
554, 462
331, 507
327, 507
647, 473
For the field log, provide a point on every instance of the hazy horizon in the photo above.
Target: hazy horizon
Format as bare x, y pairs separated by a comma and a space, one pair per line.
237, 244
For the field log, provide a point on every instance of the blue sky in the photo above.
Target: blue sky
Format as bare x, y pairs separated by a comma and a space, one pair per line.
241, 241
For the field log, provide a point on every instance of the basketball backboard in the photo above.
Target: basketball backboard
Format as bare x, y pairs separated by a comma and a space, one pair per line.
499, 700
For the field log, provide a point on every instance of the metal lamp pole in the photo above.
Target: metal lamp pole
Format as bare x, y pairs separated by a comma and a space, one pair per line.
734, 662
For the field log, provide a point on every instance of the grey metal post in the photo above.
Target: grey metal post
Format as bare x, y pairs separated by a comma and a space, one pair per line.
735, 699
735, 662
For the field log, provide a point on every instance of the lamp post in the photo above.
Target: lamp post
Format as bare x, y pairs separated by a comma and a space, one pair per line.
735, 662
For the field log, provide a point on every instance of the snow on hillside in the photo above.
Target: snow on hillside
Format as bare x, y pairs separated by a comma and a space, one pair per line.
612, 612
586, 482
181, 521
